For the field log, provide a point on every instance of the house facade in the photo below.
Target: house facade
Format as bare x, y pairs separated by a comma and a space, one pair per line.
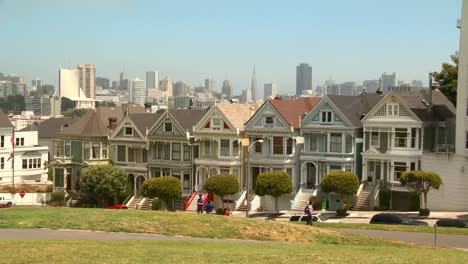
220, 138
171, 148
28, 159
277, 124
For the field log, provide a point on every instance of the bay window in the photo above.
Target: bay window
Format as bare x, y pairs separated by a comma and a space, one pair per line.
121, 153
86, 150
186, 152
278, 145
399, 168
348, 143
176, 151
289, 146
225, 147
313, 142
401, 136
336, 142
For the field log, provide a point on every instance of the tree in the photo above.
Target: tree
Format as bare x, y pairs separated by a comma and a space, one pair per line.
275, 183
66, 104
101, 183
340, 182
105, 103
13, 103
222, 185
75, 112
421, 182
165, 188
447, 78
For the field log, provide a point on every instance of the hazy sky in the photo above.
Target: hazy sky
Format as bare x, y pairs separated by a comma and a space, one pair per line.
191, 40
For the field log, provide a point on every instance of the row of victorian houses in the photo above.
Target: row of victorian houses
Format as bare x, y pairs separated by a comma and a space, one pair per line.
377, 137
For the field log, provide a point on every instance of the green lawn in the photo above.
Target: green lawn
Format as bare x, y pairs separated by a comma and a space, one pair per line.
423, 229
213, 252
310, 244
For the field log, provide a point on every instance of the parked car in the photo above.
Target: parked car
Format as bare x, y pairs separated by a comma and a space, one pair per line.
6, 202
120, 206
395, 219
304, 218
451, 223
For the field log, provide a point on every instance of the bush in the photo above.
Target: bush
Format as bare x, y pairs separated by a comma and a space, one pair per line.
223, 184
156, 205
220, 211
424, 212
57, 196
341, 182
275, 183
384, 197
342, 212
415, 201
316, 202
165, 188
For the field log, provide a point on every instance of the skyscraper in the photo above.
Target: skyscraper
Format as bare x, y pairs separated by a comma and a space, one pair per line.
348, 88
371, 85
303, 78
166, 85
87, 79
104, 83
124, 83
227, 89
210, 85
253, 87
388, 81
38, 83
152, 80
180, 89
270, 90
137, 92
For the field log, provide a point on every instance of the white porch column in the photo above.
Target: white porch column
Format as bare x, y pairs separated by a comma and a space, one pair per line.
364, 169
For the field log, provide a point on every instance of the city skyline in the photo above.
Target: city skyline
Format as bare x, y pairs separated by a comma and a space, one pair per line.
308, 36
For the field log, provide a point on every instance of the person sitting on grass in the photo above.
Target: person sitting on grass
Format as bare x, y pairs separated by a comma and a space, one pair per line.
209, 207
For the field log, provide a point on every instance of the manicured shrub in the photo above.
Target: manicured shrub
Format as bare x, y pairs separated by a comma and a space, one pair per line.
424, 212
57, 196
166, 188
384, 197
342, 212
156, 205
221, 185
275, 183
421, 182
341, 182
316, 202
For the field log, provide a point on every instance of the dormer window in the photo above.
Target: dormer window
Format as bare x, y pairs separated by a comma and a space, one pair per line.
269, 121
168, 127
216, 124
326, 117
393, 109
128, 131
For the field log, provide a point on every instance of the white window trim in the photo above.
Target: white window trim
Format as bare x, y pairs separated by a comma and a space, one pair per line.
393, 106
378, 139
326, 117
213, 127
209, 149
265, 124
392, 175
408, 138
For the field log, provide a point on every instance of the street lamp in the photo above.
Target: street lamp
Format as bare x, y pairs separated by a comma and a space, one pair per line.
248, 177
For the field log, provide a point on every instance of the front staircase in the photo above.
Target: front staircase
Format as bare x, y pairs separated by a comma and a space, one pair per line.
303, 200
243, 205
363, 202
134, 201
193, 205
145, 204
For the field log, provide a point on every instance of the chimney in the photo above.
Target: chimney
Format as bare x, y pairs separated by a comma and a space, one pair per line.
379, 90
112, 123
148, 107
252, 111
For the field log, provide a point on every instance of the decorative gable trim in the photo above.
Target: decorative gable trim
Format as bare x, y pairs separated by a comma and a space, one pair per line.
391, 99
214, 111
316, 113
267, 109
126, 122
167, 117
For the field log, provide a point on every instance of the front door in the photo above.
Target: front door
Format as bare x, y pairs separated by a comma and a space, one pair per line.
255, 173
311, 171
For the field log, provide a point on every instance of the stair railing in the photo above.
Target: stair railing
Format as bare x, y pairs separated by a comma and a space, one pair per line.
189, 199
374, 193
240, 198
128, 199
356, 197
298, 195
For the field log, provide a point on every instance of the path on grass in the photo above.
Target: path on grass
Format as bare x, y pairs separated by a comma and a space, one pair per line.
49, 234
443, 240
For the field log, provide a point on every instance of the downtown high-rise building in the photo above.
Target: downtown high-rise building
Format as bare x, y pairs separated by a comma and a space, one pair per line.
167, 86
348, 88
152, 80
371, 86
37, 82
210, 85
270, 90
253, 87
303, 78
180, 88
124, 82
102, 82
87, 79
226, 90
389, 81
137, 92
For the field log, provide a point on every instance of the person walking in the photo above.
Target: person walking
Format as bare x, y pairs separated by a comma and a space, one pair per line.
309, 210
200, 204
209, 207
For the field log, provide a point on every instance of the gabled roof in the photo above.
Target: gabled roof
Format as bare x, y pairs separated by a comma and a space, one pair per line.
95, 123
4, 121
51, 127
187, 118
145, 121
238, 114
442, 108
355, 107
293, 110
